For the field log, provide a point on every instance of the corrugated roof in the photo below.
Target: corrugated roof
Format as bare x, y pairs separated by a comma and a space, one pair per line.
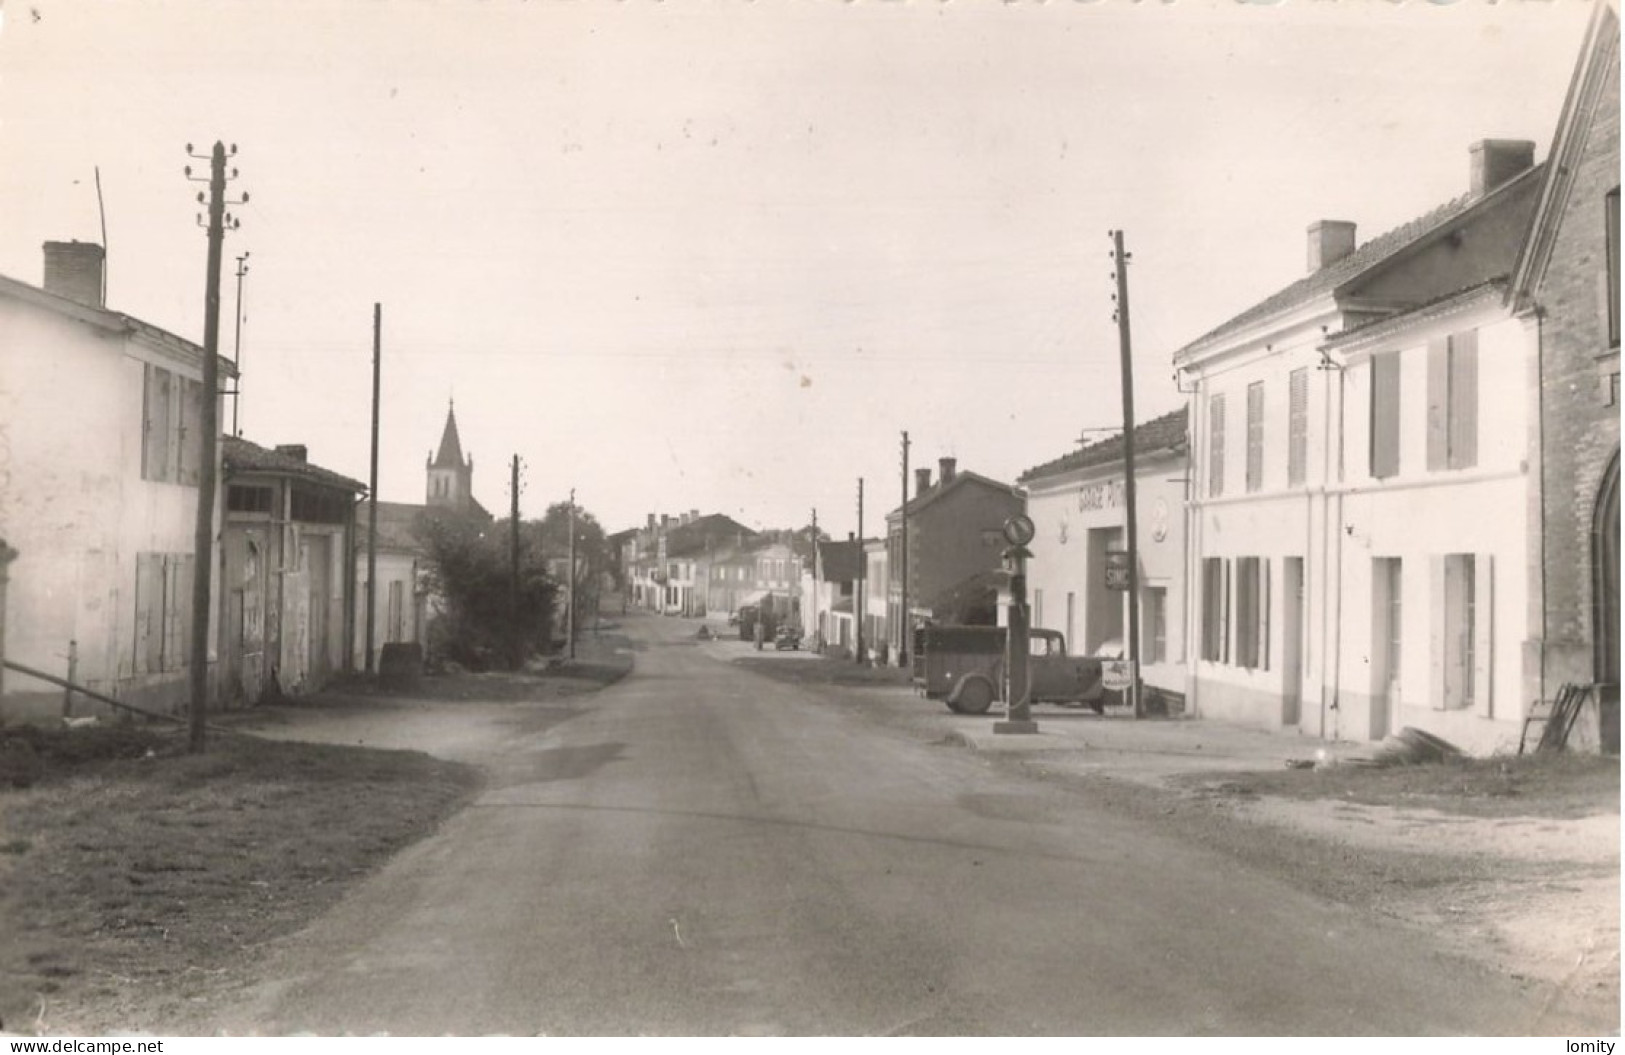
241, 455
1166, 433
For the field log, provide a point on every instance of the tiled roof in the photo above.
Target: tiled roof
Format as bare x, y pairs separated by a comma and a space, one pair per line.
243, 456
843, 561
1363, 259
397, 525
938, 489
1166, 433
711, 530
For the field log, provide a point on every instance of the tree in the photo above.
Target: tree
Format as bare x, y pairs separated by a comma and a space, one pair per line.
484, 619
592, 556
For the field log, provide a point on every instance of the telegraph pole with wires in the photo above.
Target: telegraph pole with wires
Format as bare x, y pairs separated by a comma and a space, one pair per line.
1121, 260
209, 426
237, 346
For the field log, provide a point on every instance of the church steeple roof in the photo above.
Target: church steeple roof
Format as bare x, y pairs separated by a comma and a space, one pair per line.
451, 448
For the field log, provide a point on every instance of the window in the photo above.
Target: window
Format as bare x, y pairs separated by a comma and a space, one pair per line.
1385, 415
1155, 630
1297, 451
1255, 436
1462, 642
1453, 402
241, 498
163, 612
395, 617
171, 441
1610, 296
1215, 446
1252, 613
1215, 610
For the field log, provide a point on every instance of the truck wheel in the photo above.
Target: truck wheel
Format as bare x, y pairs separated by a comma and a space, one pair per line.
975, 697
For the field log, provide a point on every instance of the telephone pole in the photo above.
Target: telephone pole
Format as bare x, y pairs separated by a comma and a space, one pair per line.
1121, 260
863, 573
905, 633
570, 613
513, 567
237, 345
372, 485
209, 425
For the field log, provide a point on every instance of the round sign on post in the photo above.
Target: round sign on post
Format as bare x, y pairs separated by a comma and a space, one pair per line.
1116, 675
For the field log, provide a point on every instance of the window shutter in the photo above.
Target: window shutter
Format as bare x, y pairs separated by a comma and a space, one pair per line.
1484, 634
1255, 435
1438, 403
1297, 425
149, 606
1464, 400
1224, 617
155, 450
1264, 612
1385, 415
191, 431
1215, 448
1437, 646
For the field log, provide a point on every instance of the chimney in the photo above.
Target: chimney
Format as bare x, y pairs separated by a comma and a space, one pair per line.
922, 481
1329, 242
651, 525
296, 451
693, 515
665, 519
1495, 161
74, 270
945, 467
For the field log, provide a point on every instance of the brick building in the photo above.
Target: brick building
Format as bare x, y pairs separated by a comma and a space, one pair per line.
1567, 286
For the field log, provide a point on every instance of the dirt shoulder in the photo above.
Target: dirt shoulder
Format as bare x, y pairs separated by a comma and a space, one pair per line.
135, 878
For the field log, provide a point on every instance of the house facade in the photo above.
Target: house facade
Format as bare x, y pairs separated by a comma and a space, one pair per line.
1078, 507
286, 577
955, 550
104, 518
1343, 494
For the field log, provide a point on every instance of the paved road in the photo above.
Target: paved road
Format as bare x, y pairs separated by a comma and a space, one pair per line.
701, 851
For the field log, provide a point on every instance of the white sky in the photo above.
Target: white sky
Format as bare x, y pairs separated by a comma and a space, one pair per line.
717, 255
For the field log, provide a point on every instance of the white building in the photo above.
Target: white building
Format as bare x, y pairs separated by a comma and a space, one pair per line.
1077, 505
1323, 522
99, 471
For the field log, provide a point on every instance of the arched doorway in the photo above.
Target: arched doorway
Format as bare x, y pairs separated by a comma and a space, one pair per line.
1605, 602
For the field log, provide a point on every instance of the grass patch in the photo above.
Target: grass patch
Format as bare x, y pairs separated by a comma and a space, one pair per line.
148, 873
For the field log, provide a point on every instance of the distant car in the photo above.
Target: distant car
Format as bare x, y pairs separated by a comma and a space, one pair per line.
787, 637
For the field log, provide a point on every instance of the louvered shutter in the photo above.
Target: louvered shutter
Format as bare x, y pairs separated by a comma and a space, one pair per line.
1215, 449
1464, 400
1438, 404
1385, 415
1297, 425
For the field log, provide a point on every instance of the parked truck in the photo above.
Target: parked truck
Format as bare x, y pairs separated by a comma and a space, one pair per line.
964, 667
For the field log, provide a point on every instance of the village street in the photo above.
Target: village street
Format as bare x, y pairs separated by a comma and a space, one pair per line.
701, 850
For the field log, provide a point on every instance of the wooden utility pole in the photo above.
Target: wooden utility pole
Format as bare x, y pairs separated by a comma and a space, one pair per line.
905, 634
515, 649
237, 346
209, 426
863, 573
1124, 347
372, 485
570, 613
